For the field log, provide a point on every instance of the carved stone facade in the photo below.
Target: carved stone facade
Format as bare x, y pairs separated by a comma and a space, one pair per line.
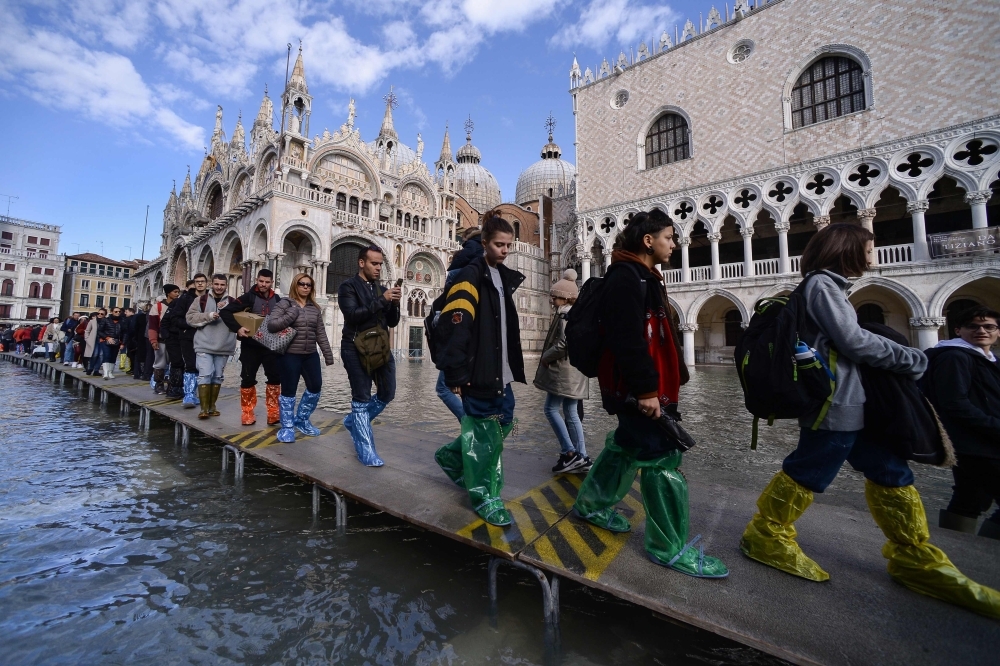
294, 204
759, 129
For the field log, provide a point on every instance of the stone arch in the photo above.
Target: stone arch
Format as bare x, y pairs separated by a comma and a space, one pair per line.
428, 192
344, 264
963, 179
231, 258
370, 169
257, 245
846, 50
936, 306
242, 187
681, 315
300, 245
648, 123
897, 304
157, 286
695, 308
433, 268
206, 261
901, 291
181, 266
777, 290
855, 198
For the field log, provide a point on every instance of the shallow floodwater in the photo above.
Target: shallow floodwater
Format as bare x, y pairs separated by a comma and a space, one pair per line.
120, 547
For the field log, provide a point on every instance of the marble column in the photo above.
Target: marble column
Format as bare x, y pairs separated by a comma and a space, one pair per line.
584, 255
782, 228
747, 234
607, 258
714, 240
916, 209
867, 217
319, 276
687, 332
977, 200
685, 260
927, 330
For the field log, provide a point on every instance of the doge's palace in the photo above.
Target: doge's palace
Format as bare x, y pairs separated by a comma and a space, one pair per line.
762, 124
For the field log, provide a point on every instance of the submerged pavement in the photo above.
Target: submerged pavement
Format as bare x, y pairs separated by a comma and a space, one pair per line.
859, 616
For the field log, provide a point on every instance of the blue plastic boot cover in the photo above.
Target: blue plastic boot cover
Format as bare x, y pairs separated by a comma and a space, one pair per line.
375, 407
190, 389
307, 405
286, 414
152, 383
361, 433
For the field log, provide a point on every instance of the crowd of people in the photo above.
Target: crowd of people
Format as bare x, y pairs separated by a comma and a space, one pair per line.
182, 343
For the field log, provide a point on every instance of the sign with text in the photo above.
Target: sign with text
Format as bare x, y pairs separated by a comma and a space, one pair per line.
959, 243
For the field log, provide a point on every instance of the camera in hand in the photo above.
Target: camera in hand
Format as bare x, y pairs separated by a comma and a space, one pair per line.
668, 424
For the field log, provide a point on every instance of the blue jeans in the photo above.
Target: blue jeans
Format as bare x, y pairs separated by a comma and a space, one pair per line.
211, 367
450, 400
361, 381
69, 352
306, 366
821, 453
481, 408
565, 421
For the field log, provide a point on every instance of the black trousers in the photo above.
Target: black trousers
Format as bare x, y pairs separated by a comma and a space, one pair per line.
181, 355
252, 356
977, 486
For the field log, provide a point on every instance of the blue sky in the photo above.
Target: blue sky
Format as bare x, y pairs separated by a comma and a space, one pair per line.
105, 102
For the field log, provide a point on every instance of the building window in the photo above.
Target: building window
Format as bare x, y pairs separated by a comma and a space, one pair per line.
84, 284
215, 203
667, 141
128, 289
99, 301
517, 231
5, 249
126, 273
37, 270
353, 206
830, 88
8, 288
32, 313
366, 209
6, 235
33, 240
46, 241
84, 300
113, 302
4, 312
341, 201
126, 302
9, 267
47, 290
50, 271
101, 286
44, 313
43, 254
114, 287
871, 313
34, 290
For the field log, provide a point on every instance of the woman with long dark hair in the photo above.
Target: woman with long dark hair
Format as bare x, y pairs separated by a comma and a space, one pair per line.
300, 311
640, 375
830, 436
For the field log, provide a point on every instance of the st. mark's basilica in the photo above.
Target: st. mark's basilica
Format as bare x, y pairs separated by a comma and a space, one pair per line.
751, 130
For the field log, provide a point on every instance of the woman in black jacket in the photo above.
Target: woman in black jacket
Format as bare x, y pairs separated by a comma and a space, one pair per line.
479, 345
109, 336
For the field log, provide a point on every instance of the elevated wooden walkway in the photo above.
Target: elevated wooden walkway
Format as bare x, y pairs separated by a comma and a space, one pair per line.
859, 617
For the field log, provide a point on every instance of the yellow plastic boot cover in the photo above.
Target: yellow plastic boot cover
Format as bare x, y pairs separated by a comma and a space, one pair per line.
770, 536
913, 561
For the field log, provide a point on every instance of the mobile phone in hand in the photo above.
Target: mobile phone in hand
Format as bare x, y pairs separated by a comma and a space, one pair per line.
399, 283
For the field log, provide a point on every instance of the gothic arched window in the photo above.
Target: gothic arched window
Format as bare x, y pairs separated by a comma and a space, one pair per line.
366, 209
353, 205
215, 203
829, 88
341, 201
517, 231
667, 141
8, 288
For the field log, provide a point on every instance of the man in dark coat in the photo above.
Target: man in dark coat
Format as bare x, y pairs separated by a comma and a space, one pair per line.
963, 384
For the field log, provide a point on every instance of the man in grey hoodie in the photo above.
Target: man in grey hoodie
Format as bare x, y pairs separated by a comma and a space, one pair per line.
214, 343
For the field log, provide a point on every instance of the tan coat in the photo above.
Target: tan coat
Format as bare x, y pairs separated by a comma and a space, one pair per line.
560, 378
90, 336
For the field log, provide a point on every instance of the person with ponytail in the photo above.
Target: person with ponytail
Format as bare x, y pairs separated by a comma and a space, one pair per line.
640, 375
480, 354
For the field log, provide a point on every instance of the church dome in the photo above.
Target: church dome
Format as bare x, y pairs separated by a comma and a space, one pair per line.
549, 176
473, 181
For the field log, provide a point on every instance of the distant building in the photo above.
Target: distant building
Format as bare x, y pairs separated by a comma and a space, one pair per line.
31, 270
92, 282
757, 129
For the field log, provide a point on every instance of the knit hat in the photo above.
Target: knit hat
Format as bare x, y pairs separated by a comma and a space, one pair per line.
566, 288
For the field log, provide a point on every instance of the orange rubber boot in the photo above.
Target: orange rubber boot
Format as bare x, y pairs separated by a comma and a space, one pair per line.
248, 402
271, 400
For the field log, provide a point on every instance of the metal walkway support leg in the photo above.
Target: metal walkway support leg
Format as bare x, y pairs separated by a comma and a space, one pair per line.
550, 589
339, 500
238, 468
144, 415
104, 397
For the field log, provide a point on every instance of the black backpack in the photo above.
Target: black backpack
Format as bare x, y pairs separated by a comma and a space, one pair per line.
584, 332
775, 384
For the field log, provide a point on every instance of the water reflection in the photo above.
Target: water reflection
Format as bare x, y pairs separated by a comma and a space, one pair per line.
121, 547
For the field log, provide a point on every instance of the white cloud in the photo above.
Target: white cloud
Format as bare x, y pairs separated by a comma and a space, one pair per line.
619, 21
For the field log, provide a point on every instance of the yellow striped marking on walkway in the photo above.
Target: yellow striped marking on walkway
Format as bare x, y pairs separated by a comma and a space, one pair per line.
261, 439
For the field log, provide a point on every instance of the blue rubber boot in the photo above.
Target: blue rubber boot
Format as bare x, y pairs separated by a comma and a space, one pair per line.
307, 405
375, 407
286, 414
190, 389
361, 432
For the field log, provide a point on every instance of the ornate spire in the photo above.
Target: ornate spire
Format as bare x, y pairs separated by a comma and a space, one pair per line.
239, 134
446, 146
298, 80
186, 187
265, 116
172, 201
217, 134
391, 103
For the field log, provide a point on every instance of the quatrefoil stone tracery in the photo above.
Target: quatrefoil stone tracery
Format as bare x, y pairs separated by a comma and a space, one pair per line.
819, 183
683, 210
915, 164
864, 175
781, 191
975, 152
607, 225
745, 198
713, 204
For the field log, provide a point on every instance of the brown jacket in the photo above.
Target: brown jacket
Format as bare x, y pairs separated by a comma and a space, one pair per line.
308, 324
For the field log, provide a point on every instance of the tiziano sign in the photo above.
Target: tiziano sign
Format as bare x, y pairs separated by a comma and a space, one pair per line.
958, 243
